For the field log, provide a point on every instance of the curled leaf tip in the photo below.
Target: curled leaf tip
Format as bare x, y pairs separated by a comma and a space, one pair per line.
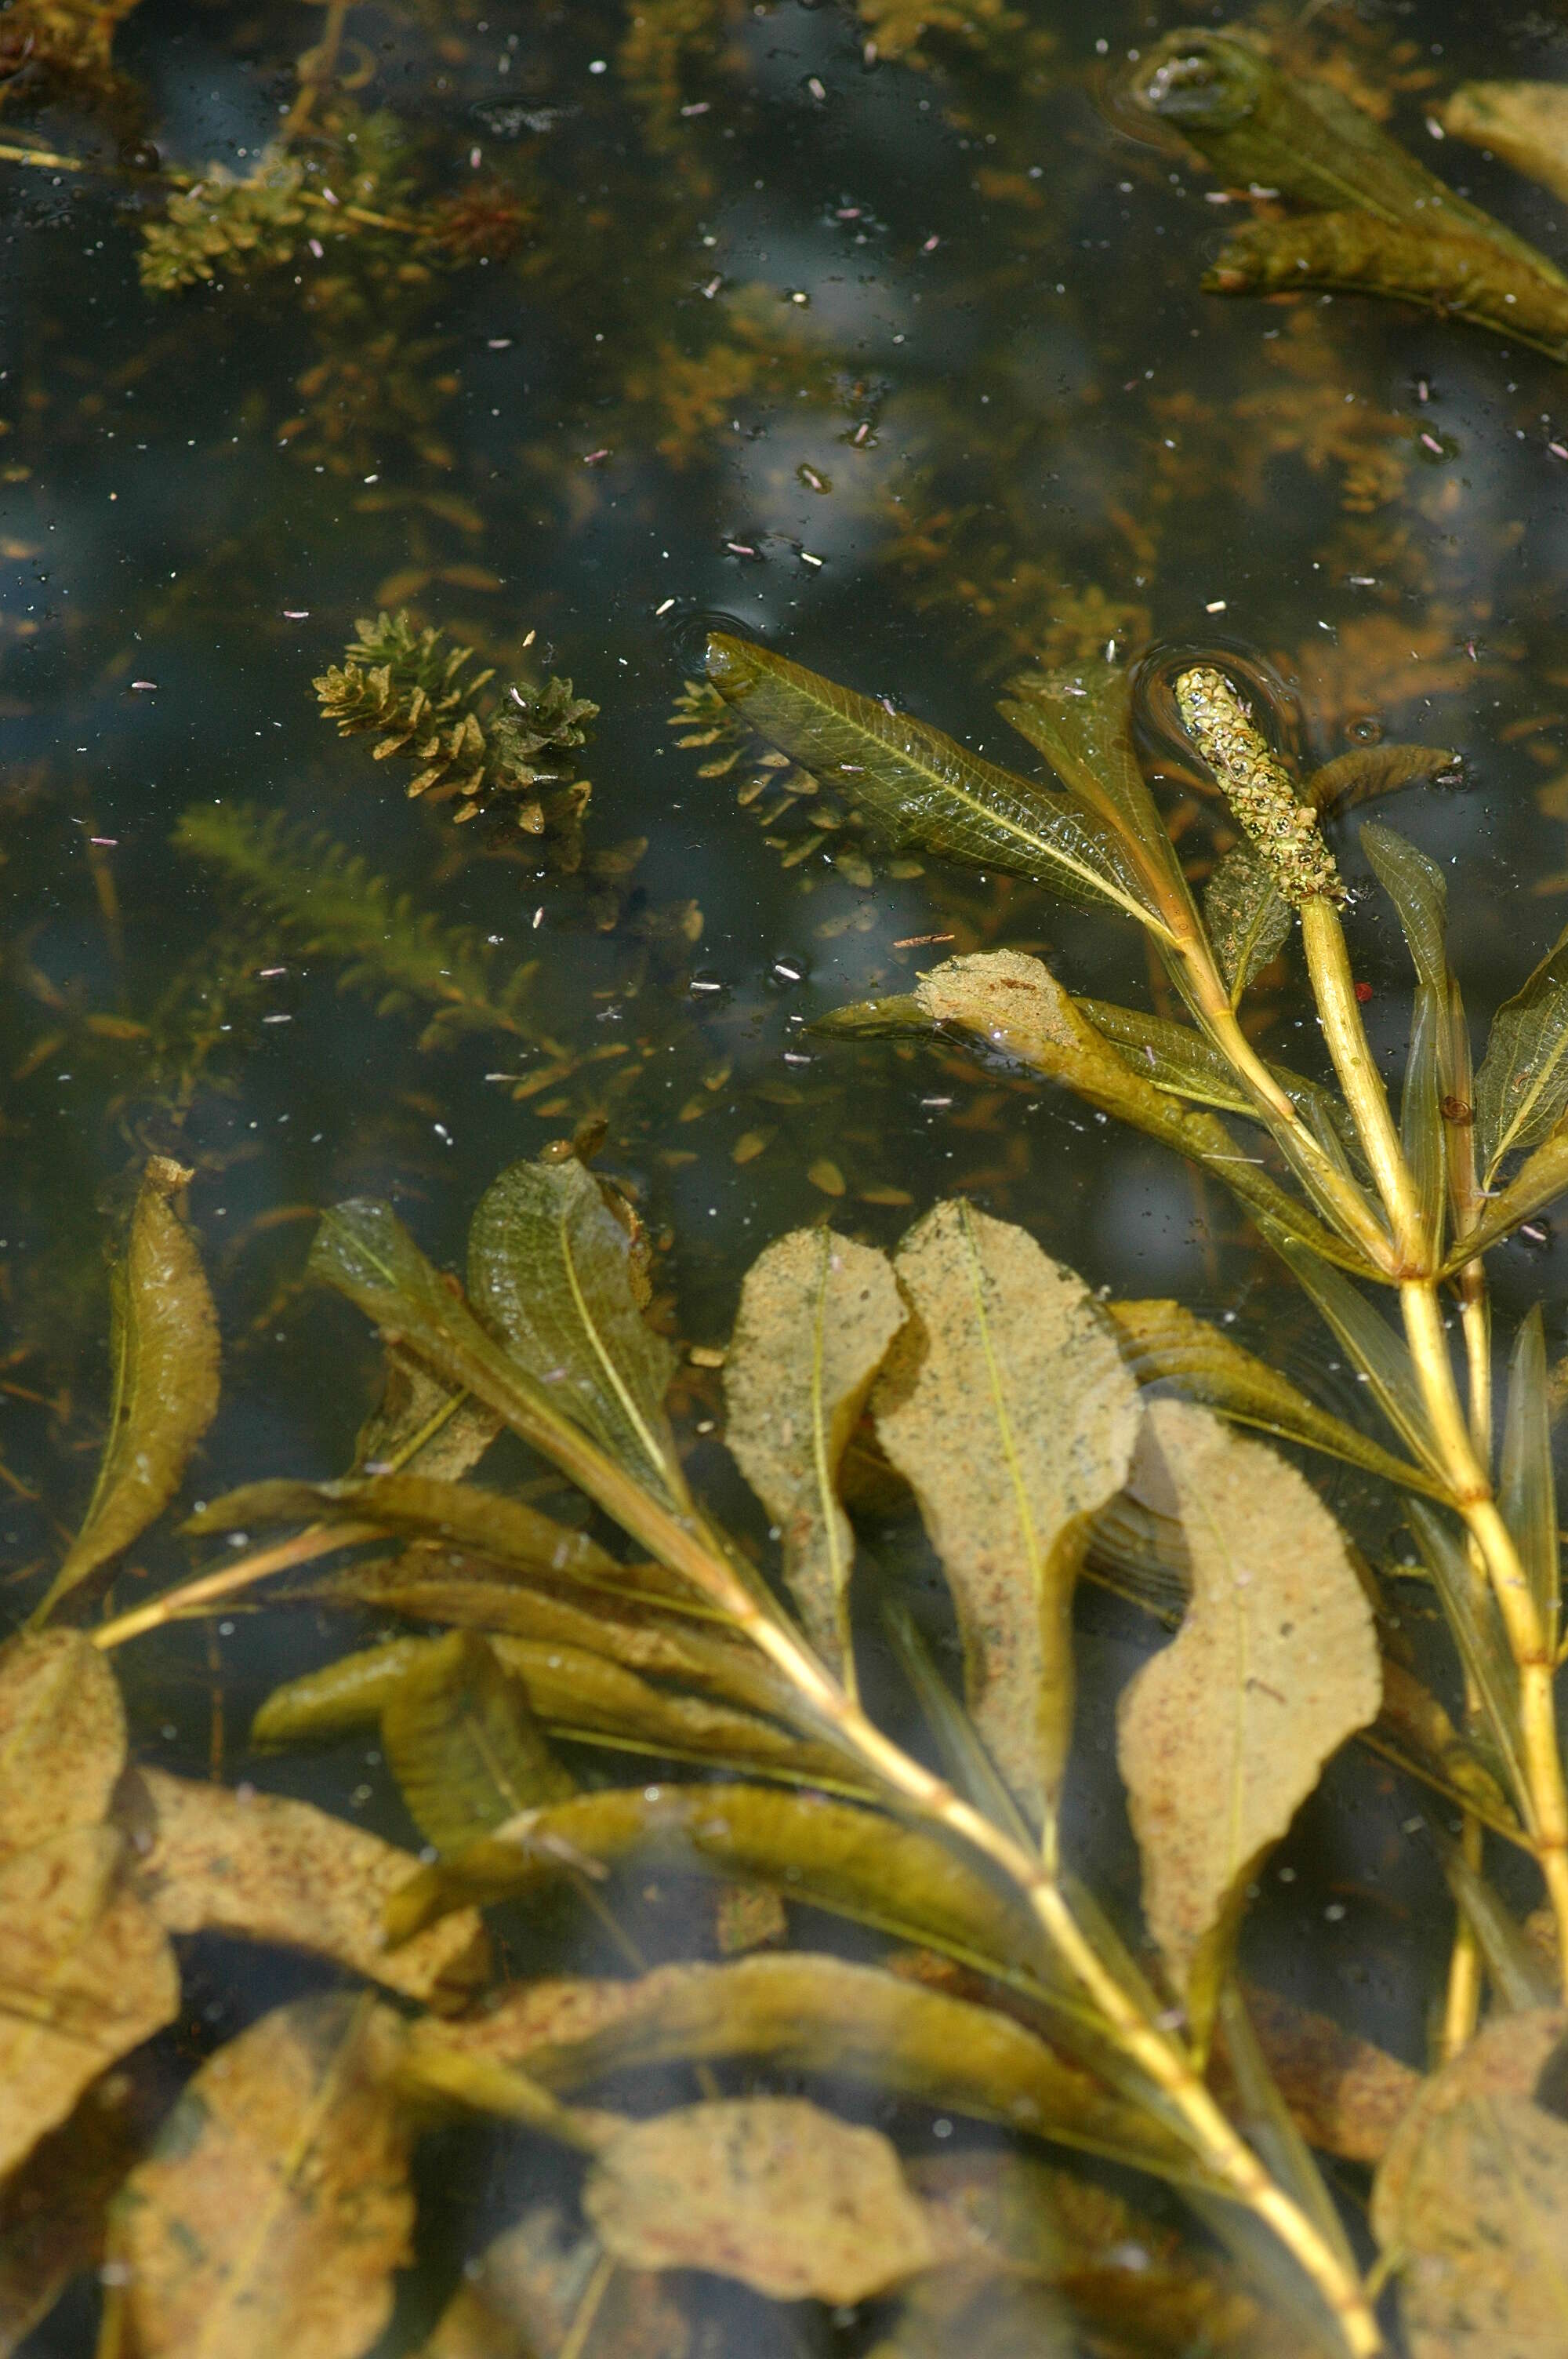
1257, 788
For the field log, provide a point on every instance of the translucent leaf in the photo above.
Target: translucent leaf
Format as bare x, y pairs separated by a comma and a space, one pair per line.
263, 1867
1345, 2095
1258, 2107
1527, 1491
52, 2210
85, 1975
804, 2013
1416, 886
1005, 1405
542, 2290
1163, 1342
1522, 1089
1421, 1129
1366, 772
1519, 1974
1539, 1180
550, 1273
462, 1743
1224, 1735
922, 787
421, 1426
505, 1530
1471, 2198
1080, 719
163, 1353
982, 2314
1180, 1058
1472, 1617
275, 2205
1414, 1730
772, 2190
817, 1312
1378, 1353
1248, 917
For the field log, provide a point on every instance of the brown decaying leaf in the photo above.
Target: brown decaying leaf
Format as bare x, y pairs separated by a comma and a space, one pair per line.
164, 1355
1471, 2197
1222, 1735
817, 1313
86, 1974
769, 2190
52, 2210
62, 1737
421, 1426
538, 2285
1005, 1404
274, 2204
259, 1867
1346, 2095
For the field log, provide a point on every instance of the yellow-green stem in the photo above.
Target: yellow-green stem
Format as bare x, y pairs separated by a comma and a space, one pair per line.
1334, 988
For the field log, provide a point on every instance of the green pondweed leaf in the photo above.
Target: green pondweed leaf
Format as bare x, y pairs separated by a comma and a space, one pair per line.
1163, 1342
551, 1272
1378, 1353
1521, 1088
805, 2013
1520, 1975
1015, 1005
817, 1313
772, 2190
1181, 1060
1081, 720
1472, 2194
542, 2291
1416, 886
1248, 917
462, 1743
1414, 1730
263, 1867
163, 1351
1422, 1131
275, 2207
506, 1530
1005, 1405
1540, 1179
922, 787
1224, 1735
1527, 1491
1472, 1617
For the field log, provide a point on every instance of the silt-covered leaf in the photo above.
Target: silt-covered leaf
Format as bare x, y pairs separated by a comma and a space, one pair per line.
1471, 2197
817, 1314
163, 1353
86, 1975
275, 2206
1222, 1735
62, 1737
1249, 919
262, 1867
1005, 1404
772, 2190
984, 2314
464, 1743
541, 2290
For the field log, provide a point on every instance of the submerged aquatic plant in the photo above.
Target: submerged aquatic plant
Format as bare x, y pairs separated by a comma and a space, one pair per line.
1379, 223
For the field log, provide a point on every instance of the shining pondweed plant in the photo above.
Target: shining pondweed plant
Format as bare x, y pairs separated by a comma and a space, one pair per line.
988, 1380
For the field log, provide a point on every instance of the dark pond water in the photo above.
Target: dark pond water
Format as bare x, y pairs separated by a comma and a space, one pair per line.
882, 345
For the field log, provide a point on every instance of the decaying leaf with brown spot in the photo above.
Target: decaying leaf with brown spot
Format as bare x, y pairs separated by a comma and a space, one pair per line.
817, 1313
1005, 1404
86, 1974
260, 1867
275, 2205
1346, 2095
769, 2190
538, 2286
62, 1737
1473, 2196
163, 1354
52, 2210
1222, 1735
